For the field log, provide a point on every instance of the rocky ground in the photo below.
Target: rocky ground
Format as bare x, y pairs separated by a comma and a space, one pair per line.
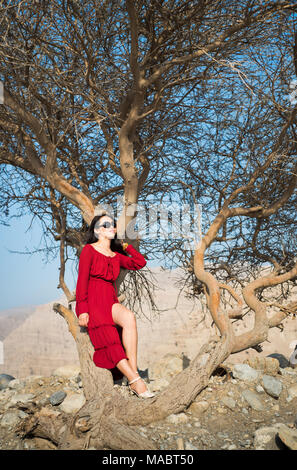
245, 406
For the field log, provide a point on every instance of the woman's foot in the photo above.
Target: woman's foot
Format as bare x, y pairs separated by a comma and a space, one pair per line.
139, 386
141, 394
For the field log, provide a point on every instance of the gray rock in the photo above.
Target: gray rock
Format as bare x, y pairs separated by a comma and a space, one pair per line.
68, 371
57, 398
231, 447
253, 400
245, 372
260, 389
288, 437
22, 414
16, 384
4, 380
73, 403
265, 438
272, 386
287, 371
177, 418
24, 399
10, 419
229, 402
292, 392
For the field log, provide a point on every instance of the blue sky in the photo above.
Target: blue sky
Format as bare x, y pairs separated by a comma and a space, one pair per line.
25, 279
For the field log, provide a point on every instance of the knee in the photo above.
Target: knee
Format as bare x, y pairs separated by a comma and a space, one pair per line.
130, 320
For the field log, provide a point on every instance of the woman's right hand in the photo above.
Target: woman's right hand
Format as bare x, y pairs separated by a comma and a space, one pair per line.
83, 319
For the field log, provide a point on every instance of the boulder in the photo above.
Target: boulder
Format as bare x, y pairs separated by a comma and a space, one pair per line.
22, 398
272, 386
266, 438
10, 419
167, 367
245, 372
16, 384
198, 407
68, 371
288, 437
73, 403
4, 380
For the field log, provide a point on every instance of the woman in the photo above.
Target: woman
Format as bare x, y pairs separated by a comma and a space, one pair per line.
97, 306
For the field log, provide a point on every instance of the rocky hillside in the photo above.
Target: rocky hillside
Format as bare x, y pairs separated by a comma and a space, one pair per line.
246, 406
11, 318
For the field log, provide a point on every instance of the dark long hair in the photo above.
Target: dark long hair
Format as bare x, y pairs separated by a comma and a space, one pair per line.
115, 244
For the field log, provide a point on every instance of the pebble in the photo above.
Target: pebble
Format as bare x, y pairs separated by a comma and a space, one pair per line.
23, 398
57, 398
16, 384
229, 402
73, 403
292, 392
253, 400
177, 418
272, 386
245, 372
232, 447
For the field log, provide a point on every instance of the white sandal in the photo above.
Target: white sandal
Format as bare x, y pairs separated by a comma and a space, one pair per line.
146, 394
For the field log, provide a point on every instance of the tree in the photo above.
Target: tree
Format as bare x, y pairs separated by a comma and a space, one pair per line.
110, 95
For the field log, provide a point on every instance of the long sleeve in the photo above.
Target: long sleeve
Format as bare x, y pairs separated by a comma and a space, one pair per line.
135, 262
82, 281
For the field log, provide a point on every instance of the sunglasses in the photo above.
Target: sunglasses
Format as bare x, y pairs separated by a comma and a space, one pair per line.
108, 224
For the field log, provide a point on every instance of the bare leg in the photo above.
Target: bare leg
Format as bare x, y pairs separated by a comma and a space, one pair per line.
129, 337
126, 319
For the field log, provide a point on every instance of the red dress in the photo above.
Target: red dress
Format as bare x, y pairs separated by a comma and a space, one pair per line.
96, 293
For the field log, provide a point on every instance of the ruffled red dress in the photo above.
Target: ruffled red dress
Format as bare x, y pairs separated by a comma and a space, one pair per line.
96, 293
